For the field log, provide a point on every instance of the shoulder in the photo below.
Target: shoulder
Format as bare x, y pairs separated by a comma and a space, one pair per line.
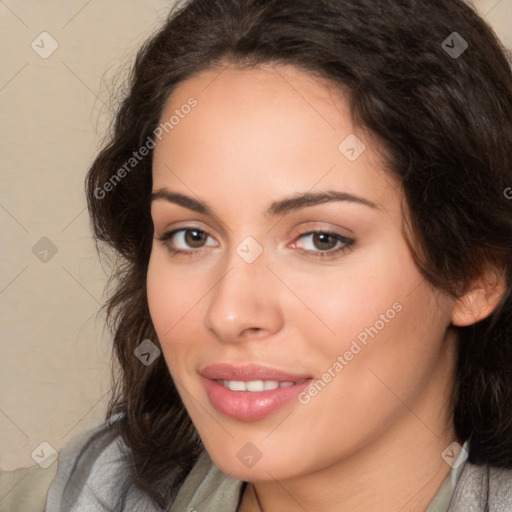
92, 475
483, 488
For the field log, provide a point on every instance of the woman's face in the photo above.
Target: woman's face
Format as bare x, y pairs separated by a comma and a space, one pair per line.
293, 266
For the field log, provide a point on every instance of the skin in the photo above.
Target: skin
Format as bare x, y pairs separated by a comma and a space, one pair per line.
372, 439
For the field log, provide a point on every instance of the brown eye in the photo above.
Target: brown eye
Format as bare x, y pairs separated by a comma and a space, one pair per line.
324, 241
195, 238
187, 240
323, 244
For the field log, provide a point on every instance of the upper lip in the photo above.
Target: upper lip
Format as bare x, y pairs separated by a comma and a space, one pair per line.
247, 372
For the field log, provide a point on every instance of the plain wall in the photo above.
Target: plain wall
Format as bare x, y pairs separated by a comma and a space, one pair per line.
55, 364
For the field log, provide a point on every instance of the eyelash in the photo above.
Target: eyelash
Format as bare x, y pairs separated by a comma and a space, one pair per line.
348, 243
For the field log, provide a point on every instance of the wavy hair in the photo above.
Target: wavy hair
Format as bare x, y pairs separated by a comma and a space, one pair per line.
444, 122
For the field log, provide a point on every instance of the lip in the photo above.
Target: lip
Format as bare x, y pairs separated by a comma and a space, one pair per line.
226, 371
248, 405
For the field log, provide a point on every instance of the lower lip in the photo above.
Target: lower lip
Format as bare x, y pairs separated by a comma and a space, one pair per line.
250, 405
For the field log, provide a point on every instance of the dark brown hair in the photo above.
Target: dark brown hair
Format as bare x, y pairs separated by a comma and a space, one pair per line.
444, 122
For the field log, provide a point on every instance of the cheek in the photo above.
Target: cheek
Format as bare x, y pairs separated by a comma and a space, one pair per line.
367, 288
159, 293
177, 298
379, 313
390, 347
171, 299
172, 291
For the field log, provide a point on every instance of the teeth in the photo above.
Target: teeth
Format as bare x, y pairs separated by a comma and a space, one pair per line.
256, 385
267, 384
236, 385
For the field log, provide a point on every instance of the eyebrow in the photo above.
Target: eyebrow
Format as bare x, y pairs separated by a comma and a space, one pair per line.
276, 208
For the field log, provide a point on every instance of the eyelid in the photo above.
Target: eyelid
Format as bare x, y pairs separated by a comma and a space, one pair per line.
184, 225
307, 228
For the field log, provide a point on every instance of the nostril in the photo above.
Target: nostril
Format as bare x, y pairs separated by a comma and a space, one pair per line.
251, 331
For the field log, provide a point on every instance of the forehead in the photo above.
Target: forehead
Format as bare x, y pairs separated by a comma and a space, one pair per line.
263, 96
267, 129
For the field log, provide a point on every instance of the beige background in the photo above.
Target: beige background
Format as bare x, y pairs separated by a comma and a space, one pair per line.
55, 363
55, 357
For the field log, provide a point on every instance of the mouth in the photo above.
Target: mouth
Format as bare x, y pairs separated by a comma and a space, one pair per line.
256, 386
250, 392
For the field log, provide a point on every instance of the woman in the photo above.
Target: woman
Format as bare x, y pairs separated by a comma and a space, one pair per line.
313, 306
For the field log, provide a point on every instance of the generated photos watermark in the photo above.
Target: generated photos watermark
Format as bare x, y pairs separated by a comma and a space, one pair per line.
355, 348
144, 150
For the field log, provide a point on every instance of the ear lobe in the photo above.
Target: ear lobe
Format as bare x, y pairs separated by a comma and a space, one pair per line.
480, 300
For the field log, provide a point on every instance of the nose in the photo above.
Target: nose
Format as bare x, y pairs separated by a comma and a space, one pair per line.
245, 302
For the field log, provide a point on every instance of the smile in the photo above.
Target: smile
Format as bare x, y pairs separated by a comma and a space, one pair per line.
257, 386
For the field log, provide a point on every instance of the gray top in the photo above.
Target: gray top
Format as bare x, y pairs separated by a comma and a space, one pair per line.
90, 475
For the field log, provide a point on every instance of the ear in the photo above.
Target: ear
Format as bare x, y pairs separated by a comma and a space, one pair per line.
480, 300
